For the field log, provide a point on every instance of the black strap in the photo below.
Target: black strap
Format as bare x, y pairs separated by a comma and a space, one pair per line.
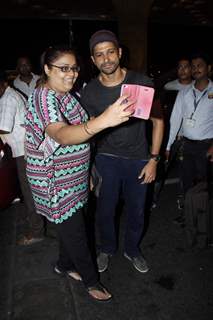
196, 103
21, 92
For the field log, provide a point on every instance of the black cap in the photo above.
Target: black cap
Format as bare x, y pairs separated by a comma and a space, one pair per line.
102, 36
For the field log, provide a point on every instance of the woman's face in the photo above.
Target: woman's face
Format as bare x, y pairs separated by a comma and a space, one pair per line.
62, 73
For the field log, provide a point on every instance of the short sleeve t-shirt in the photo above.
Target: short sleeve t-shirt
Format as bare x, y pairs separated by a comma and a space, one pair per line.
127, 140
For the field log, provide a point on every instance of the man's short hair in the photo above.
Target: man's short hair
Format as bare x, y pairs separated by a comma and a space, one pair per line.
102, 36
201, 55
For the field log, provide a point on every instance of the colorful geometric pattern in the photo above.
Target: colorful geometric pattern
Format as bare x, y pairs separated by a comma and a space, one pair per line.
58, 174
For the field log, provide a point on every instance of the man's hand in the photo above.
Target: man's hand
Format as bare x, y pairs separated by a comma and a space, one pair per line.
167, 154
148, 174
91, 185
210, 153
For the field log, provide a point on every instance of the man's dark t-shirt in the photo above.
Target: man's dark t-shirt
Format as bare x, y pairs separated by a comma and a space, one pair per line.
127, 140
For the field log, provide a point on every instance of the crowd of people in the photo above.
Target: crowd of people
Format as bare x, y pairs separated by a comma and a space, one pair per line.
60, 140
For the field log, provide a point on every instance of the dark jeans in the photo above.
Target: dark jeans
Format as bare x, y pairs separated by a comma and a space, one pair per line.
120, 177
73, 249
35, 221
195, 162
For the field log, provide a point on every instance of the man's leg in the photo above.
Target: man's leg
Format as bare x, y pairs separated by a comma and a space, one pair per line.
109, 169
134, 197
194, 163
201, 161
188, 166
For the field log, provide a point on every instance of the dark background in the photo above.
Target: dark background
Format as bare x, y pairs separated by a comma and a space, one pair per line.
32, 37
165, 42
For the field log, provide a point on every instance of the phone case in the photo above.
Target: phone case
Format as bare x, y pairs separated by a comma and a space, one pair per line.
143, 97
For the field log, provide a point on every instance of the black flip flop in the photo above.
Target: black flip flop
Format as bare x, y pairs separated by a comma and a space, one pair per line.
67, 273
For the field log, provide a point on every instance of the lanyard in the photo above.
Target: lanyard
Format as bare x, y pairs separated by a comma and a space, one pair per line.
196, 103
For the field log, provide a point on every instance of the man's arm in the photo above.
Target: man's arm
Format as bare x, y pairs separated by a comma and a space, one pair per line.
7, 115
149, 171
210, 153
175, 119
157, 134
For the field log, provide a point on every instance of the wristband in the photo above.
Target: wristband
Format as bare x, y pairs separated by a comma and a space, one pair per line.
87, 129
155, 157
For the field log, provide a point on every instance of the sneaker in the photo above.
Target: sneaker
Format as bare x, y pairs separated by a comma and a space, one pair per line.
138, 262
103, 261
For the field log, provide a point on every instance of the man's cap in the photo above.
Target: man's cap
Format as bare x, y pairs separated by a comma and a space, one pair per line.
102, 36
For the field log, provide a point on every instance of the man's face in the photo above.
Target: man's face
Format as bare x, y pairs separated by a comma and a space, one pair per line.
24, 66
184, 70
106, 56
200, 69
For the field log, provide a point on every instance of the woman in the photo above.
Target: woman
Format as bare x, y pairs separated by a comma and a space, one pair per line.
57, 148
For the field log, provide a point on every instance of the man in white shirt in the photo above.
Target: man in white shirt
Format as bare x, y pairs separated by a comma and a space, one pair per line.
12, 131
194, 110
183, 81
26, 80
184, 76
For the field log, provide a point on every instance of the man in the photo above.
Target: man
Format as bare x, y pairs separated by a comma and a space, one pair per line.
12, 108
122, 158
194, 109
26, 80
184, 76
183, 81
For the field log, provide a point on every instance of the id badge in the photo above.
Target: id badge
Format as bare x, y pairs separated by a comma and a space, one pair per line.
190, 123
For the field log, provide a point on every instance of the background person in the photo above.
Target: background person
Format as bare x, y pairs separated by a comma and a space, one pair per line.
12, 109
26, 80
184, 75
194, 109
171, 88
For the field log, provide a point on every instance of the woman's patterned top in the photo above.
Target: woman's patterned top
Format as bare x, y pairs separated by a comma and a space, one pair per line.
58, 174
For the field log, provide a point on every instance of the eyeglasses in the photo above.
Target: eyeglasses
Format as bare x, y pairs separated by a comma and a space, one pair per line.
64, 69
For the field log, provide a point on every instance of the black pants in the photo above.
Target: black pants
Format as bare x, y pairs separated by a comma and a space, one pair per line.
74, 253
195, 162
35, 221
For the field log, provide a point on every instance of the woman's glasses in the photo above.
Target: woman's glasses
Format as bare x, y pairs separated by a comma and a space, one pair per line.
64, 69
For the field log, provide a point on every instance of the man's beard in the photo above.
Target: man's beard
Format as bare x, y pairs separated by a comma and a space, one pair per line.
111, 70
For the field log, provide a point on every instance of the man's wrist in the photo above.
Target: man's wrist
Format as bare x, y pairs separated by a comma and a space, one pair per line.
154, 156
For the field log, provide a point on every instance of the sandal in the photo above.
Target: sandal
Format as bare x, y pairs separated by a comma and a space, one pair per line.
99, 288
28, 240
72, 274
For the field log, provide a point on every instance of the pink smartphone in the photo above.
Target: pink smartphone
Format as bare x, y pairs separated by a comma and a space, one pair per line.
143, 97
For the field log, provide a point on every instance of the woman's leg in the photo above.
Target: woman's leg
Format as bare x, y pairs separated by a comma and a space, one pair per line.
72, 236
75, 251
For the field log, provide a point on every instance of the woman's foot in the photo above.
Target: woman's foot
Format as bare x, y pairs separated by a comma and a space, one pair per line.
99, 293
72, 274
28, 240
75, 275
